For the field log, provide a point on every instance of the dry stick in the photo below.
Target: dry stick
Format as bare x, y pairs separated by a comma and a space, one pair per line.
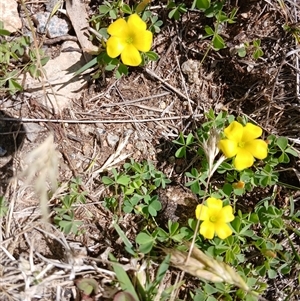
151, 73
273, 91
100, 120
184, 84
126, 102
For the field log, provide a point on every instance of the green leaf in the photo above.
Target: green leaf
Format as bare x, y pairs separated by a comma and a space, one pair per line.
45, 60
282, 143
113, 13
123, 180
284, 158
146, 248
181, 152
122, 70
203, 4
128, 244
88, 65
14, 86
88, 286
104, 9
4, 32
103, 33
163, 268
123, 278
227, 189
145, 241
256, 43
143, 238
272, 273
209, 31
258, 53
291, 151
189, 139
153, 56
126, 9
218, 42
107, 180
241, 51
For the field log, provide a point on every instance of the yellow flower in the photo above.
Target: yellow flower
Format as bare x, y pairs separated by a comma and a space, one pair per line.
241, 142
128, 39
215, 218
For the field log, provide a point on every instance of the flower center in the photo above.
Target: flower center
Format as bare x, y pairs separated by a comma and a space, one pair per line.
213, 218
129, 40
241, 144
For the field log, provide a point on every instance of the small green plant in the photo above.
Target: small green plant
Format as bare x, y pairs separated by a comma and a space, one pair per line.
215, 10
17, 57
251, 242
176, 10
255, 49
118, 52
145, 288
65, 212
136, 184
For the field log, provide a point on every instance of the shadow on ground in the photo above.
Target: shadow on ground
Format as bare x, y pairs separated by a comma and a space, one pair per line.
12, 134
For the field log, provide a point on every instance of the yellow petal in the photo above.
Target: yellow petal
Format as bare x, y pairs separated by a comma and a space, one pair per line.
118, 28
234, 131
226, 214
202, 213
243, 159
115, 46
214, 204
130, 56
223, 230
258, 148
143, 40
228, 147
136, 23
207, 229
251, 132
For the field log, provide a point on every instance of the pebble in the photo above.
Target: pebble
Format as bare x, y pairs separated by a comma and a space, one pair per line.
112, 140
32, 130
56, 26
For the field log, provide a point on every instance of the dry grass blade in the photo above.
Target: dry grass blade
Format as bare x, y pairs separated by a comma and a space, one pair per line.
42, 166
205, 267
116, 157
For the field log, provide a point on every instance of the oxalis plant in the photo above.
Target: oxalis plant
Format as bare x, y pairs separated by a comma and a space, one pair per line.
224, 244
126, 42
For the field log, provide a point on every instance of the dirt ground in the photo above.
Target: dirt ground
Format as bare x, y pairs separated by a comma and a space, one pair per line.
137, 117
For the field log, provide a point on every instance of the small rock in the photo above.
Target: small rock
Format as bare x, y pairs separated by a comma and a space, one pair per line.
191, 68
60, 73
56, 26
50, 5
100, 131
112, 140
9, 15
32, 130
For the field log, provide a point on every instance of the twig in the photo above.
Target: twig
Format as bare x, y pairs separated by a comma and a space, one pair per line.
151, 73
126, 102
87, 121
60, 39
